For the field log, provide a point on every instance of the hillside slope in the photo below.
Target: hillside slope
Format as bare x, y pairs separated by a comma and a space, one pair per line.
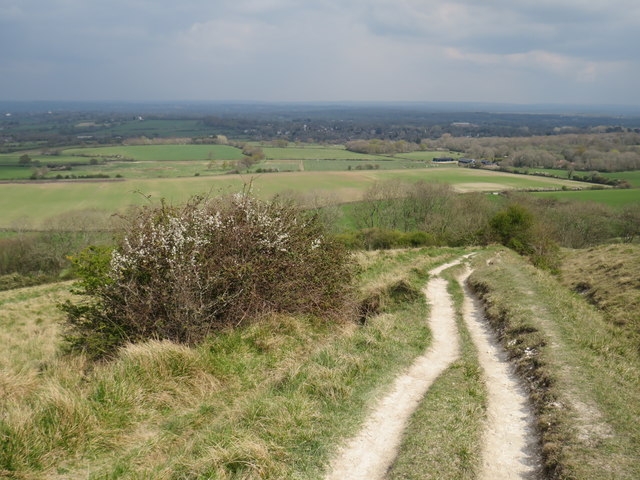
609, 277
271, 400
583, 372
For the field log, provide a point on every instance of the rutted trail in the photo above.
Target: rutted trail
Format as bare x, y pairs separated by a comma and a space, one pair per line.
509, 440
369, 455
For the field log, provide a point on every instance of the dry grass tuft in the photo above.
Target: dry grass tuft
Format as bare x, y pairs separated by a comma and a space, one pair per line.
608, 276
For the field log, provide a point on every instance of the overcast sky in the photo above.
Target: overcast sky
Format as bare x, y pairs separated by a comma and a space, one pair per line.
514, 51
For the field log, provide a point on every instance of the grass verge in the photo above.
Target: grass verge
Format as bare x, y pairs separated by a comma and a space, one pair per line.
582, 372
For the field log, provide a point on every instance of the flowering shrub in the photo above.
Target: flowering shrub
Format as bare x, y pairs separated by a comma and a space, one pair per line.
181, 273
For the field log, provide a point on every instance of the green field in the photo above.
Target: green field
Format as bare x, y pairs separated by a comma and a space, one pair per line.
141, 170
171, 161
162, 152
632, 177
612, 197
316, 152
10, 169
154, 127
14, 173
143, 161
34, 202
382, 163
427, 156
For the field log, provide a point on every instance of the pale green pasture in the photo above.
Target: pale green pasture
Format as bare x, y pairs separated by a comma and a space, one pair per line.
32, 203
632, 177
383, 163
140, 170
312, 153
428, 155
14, 158
163, 152
613, 197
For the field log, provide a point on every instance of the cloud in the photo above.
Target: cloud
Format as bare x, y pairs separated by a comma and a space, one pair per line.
494, 50
576, 68
225, 37
594, 29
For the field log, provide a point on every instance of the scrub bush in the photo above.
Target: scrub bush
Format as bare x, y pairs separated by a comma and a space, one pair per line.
519, 229
183, 272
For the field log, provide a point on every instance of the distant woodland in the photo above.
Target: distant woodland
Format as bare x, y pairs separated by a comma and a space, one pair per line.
573, 142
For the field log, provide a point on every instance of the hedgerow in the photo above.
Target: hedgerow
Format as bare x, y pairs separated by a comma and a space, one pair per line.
184, 272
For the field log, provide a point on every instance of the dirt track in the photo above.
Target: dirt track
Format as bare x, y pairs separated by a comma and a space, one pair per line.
509, 442
369, 455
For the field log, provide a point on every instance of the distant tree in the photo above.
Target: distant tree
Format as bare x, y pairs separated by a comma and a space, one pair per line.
630, 222
25, 160
513, 227
519, 229
39, 173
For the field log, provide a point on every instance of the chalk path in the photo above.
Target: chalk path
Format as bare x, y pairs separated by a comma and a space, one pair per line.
369, 455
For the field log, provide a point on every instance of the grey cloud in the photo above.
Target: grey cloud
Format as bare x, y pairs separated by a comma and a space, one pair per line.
324, 50
587, 29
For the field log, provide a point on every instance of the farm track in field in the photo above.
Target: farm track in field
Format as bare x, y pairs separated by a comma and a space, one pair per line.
509, 442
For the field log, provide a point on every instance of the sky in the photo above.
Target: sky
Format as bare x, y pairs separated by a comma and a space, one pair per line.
506, 51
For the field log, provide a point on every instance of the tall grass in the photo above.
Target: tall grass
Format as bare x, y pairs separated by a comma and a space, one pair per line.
608, 276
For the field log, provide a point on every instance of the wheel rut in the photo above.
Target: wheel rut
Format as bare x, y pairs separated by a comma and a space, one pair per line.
510, 447
509, 441
369, 455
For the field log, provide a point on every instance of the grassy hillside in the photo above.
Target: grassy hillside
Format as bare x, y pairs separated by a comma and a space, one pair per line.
268, 401
609, 277
584, 373
275, 398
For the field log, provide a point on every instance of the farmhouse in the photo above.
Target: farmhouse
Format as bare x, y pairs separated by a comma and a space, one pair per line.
466, 161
